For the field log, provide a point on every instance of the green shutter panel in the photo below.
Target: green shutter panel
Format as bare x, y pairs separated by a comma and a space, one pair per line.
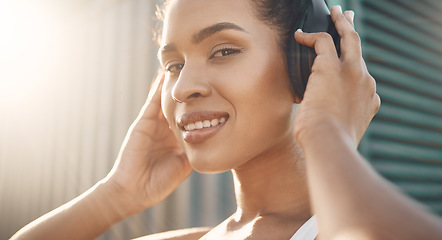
402, 44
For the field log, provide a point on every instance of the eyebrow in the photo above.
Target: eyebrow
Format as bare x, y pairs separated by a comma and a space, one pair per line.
209, 31
203, 34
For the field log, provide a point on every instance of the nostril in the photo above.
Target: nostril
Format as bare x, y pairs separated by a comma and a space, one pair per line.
189, 90
195, 95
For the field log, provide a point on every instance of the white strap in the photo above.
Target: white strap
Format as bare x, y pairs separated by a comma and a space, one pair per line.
308, 231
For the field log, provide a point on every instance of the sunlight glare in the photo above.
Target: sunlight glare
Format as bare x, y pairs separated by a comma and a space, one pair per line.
26, 48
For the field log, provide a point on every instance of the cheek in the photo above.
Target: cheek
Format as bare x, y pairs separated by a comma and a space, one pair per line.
259, 91
256, 83
269, 99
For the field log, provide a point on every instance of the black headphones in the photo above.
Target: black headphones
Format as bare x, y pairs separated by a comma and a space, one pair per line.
300, 58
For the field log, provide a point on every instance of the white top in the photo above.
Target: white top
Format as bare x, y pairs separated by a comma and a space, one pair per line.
308, 231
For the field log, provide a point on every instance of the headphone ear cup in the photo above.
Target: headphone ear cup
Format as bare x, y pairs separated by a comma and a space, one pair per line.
336, 38
300, 58
308, 56
294, 65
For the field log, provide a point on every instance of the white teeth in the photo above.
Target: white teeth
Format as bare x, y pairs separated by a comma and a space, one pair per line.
198, 125
204, 124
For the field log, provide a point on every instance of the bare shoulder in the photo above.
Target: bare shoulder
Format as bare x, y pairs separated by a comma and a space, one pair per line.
182, 234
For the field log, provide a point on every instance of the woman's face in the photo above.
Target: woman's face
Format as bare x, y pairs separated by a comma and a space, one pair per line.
226, 95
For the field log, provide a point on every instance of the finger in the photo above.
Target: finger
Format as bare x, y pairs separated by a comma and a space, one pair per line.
152, 107
350, 41
350, 15
322, 42
155, 87
344, 22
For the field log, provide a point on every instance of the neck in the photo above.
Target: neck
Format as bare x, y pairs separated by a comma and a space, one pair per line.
273, 184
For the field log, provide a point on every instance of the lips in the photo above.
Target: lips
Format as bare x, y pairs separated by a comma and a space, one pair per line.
199, 126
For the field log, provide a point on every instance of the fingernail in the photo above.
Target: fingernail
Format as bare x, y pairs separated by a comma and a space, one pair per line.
339, 8
299, 30
352, 15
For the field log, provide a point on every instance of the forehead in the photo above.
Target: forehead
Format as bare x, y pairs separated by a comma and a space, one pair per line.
188, 16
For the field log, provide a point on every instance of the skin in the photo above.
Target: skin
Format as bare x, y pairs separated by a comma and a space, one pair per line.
246, 83
277, 188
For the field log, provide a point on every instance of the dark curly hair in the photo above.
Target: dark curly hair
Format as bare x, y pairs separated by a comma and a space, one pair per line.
281, 15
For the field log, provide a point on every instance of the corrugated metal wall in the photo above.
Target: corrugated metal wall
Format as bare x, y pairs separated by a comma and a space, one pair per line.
402, 44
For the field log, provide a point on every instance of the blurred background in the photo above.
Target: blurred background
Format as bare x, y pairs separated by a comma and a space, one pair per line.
74, 74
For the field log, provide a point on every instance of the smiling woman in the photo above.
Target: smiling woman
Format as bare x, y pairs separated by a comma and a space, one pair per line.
225, 67
223, 100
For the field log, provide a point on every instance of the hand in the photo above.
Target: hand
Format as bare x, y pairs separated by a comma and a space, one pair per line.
150, 165
340, 91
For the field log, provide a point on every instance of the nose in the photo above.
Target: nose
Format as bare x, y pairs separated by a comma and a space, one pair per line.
190, 85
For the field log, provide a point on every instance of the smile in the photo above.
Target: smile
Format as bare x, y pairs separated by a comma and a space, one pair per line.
199, 126
204, 124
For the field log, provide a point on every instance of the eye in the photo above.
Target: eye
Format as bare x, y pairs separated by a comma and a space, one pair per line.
225, 52
174, 68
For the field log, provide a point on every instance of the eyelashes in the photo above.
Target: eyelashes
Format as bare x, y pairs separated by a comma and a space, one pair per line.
225, 52
217, 54
174, 68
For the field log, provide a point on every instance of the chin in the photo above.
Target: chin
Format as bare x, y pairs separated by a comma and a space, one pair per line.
209, 165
